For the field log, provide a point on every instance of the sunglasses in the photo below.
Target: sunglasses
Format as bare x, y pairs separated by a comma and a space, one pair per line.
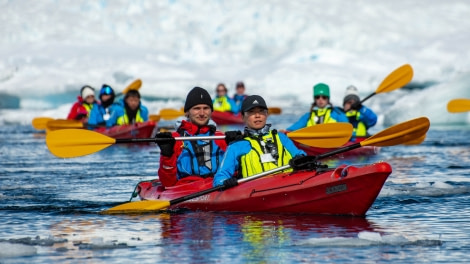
221, 91
321, 96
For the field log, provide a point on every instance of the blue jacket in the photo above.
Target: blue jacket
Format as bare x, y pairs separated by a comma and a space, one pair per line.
238, 99
188, 163
231, 161
120, 111
336, 113
97, 114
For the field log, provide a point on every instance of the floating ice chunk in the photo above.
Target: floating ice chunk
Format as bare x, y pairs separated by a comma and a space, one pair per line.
373, 236
8, 250
443, 185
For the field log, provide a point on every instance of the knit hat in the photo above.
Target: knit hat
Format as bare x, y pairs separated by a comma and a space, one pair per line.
197, 96
321, 89
351, 89
87, 91
352, 94
253, 101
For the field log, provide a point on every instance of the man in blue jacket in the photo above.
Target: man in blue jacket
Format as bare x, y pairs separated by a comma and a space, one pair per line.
259, 149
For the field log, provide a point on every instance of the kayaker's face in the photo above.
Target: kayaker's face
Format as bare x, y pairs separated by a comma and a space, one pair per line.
321, 100
255, 118
221, 91
240, 90
105, 97
199, 114
90, 99
133, 102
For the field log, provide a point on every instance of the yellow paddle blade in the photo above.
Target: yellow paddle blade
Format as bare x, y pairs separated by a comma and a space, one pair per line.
416, 141
135, 85
40, 123
458, 105
63, 124
68, 143
399, 134
397, 79
274, 111
138, 207
328, 135
154, 118
169, 113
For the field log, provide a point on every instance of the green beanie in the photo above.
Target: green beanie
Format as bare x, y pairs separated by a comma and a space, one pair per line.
321, 89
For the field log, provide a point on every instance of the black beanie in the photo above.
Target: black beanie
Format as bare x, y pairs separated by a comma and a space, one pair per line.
197, 96
351, 97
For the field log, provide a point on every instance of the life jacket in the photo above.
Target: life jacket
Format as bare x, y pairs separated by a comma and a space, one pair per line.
205, 155
320, 116
88, 108
359, 127
124, 120
251, 163
222, 104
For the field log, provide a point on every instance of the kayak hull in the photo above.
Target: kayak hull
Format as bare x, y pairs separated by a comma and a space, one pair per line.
362, 151
138, 130
346, 190
226, 118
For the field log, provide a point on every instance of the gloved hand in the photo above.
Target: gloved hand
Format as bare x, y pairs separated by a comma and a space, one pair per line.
166, 142
230, 182
356, 106
232, 136
303, 163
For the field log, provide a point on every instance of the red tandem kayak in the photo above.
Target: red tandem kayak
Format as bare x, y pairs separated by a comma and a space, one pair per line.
226, 118
346, 190
138, 130
362, 151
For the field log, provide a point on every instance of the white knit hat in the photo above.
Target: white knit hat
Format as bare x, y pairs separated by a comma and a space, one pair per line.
87, 91
351, 89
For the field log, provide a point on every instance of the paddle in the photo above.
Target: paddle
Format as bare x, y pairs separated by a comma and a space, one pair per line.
135, 85
328, 135
458, 105
155, 118
68, 143
396, 79
169, 113
40, 123
274, 111
395, 135
63, 124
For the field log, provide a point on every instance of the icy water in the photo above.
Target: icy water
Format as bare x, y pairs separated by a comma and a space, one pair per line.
49, 211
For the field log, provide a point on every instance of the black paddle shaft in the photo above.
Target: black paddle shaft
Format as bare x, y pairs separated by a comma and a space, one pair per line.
340, 150
142, 140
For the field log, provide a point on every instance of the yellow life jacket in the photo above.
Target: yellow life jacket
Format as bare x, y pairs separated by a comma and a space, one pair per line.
124, 120
221, 104
251, 162
320, 116
88, 108
358, 126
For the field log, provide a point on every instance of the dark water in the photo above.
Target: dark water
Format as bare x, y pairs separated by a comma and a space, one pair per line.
49, 212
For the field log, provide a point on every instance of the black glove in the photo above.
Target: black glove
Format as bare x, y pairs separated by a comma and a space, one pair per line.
232, 136
230, 182
356, 106
166, 142
303, 163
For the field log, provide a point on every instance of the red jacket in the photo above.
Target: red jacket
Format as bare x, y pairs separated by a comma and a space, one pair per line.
78, 111
167, 170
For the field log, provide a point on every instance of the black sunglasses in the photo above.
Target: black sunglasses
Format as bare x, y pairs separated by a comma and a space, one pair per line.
321, 96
